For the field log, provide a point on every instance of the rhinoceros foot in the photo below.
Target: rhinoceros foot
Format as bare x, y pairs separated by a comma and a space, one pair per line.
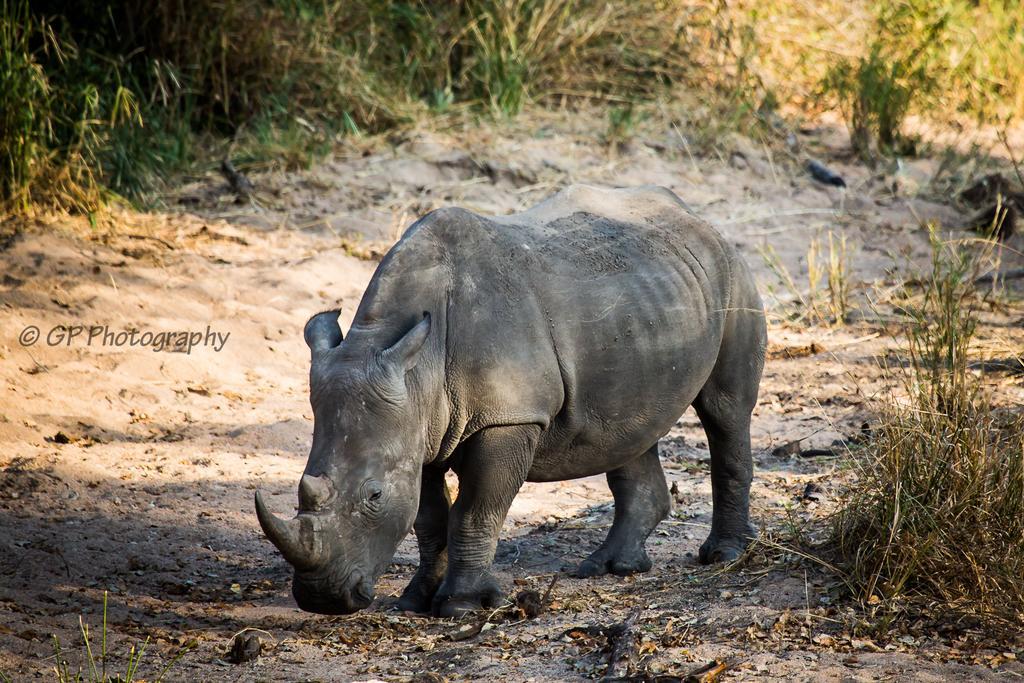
464, 593
620, 560
418, 596
724, 548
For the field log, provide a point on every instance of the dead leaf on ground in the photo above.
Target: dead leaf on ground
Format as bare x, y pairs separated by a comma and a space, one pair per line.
784, 352
707, 673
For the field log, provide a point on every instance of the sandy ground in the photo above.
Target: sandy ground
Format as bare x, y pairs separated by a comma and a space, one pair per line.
130, 471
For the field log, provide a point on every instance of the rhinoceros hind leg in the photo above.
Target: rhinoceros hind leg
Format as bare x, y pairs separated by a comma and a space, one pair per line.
731, 474
431, 527
641, 501
724, 406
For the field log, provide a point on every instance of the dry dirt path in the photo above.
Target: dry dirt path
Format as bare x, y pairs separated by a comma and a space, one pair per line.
130, 471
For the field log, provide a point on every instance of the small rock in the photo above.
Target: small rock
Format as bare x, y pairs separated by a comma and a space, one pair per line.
825, 175
61, 437
245, 647
813, 492
787, 449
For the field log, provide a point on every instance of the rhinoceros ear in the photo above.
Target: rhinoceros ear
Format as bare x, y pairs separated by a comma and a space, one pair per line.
322, 331
405, 352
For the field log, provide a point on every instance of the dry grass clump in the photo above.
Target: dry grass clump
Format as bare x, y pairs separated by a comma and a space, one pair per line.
94, 665
937, 511
828, 297
946, 60
878, 61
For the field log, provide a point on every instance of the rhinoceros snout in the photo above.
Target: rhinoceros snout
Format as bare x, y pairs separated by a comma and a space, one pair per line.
313, 594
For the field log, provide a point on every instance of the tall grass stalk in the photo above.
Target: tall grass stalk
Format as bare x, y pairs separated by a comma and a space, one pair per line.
937, 511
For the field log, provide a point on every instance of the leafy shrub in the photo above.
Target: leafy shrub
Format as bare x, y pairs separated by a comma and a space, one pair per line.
876, 91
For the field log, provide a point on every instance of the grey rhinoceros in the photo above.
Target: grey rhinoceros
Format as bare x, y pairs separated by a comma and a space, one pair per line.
555, 343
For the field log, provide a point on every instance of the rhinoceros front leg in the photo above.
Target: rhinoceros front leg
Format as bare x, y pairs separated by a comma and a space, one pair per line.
431, 527
492, 466
641, 501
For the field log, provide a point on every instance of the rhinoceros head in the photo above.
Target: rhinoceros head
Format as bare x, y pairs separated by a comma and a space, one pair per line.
360, 491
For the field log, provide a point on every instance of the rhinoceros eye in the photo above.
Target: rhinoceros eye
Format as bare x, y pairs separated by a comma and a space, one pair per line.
374, 494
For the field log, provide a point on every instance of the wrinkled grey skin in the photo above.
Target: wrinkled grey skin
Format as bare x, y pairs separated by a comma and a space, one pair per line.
556, 343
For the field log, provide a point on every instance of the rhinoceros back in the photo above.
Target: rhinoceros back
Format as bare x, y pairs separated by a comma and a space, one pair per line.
598, 315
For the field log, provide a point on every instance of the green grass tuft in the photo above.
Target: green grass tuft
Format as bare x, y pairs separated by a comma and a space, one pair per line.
93, 669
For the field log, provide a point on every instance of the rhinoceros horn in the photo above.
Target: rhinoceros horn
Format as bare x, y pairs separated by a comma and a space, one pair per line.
314, 491
295, 538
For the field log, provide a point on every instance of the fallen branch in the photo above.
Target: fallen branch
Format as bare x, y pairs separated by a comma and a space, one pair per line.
793, 448
467, 631
1003, 138
547, 594
1013, 366
150, 237
622, 637
781, 352
997, 220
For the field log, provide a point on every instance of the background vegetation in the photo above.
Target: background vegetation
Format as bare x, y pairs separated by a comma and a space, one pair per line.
112, 96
